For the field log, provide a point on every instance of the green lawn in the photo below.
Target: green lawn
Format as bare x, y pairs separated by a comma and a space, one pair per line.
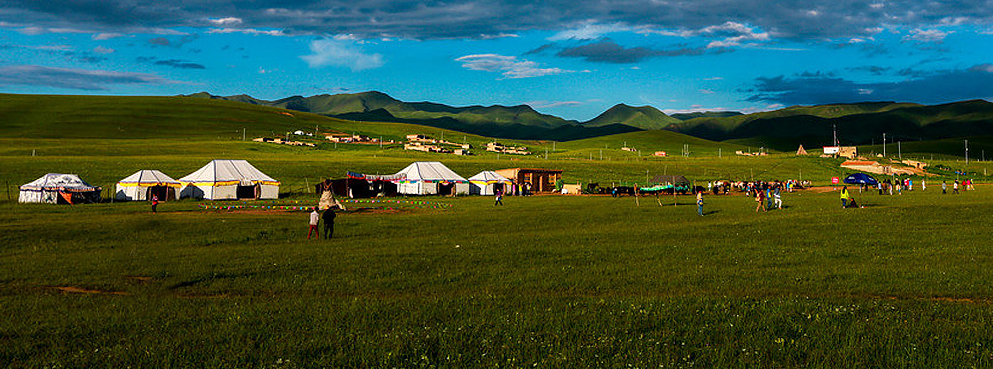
549, 281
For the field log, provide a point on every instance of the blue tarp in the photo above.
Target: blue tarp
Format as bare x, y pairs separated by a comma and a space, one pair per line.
861, 178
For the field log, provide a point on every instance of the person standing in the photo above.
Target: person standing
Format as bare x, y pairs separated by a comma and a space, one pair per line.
779, 198
328, 218
499, 198
923, 185
844, 196
760, 199
155, 202
955, 187
315, 218
944, 187
699, 203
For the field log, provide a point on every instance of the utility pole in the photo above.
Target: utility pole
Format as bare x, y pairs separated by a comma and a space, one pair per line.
835, 134
718, 152
243, 133
899, 150
884, 145
966, 152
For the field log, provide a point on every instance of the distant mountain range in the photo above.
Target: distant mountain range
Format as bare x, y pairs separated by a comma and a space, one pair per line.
860, 123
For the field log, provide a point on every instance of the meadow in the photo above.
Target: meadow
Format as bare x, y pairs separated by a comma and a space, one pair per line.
547, 281
544, 281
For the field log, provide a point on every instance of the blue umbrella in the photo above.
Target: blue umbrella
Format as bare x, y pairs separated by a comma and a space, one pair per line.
861, 178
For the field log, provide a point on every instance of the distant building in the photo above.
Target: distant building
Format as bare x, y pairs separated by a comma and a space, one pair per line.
661, 154
541, 180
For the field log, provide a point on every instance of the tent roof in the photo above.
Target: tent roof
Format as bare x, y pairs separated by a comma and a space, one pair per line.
52, 181
146, 176
489, 176
429, 170
663, 178
860, 178
228, 171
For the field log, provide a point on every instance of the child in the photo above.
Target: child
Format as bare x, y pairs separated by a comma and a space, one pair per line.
315, 218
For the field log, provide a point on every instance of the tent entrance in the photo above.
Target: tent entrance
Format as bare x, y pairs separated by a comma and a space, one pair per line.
248, 192
162, 192
446, 189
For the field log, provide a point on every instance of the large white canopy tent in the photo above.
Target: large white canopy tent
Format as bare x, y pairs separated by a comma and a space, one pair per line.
57, 188
229, 180
143, 184
487, 183
430, 178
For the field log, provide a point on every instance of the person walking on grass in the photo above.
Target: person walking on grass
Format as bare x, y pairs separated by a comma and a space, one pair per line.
155, 202
778, 196
844, 196
944, 187
955, 187
760, 199
328, 218
923, 185
315, 218
699, 203
499, 198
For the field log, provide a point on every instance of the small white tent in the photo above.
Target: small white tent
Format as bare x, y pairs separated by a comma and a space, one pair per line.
487, 183
229, 180
56, 188
430, 178
143, 184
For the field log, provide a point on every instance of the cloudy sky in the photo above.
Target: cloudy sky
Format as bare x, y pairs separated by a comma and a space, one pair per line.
569, 58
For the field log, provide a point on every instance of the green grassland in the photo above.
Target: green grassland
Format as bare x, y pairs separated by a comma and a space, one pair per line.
544, 281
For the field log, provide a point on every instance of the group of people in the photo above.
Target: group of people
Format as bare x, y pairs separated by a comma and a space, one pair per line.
768, 195
966, 184
315, 219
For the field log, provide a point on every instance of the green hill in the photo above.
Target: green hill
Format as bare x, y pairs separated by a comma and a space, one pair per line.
643, 117
706, 114
366, 102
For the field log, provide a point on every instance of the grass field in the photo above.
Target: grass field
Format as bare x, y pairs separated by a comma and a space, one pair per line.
544, 281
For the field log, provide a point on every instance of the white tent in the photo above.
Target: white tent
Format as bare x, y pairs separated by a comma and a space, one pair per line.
55, 188
229, 180
141, 185
430, 178
487, 183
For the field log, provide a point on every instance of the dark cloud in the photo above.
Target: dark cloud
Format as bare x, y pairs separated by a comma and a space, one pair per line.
607, 51
927, 88
872, 69
541, 49
160, 41
175, 63
795, 19
77, 79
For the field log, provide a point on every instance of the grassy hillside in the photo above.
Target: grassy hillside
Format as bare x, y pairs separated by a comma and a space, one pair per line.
644, 117
855, 123
369, 101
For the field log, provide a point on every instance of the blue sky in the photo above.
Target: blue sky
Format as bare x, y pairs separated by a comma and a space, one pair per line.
571, 59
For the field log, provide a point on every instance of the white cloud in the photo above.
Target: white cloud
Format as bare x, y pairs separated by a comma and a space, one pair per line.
743, 34
103, 50
589, 31
988, 68
498, 35
106, 36
338, 53
706, 91
713, 78
931, 35
542, 104
247, 31
227, 21
508, 66
877, 5
865, 91
693, 109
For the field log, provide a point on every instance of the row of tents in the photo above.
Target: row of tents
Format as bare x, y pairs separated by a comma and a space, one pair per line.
218, 180
239, 179
418, 178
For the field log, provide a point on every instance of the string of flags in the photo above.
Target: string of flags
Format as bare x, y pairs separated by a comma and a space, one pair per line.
295, 205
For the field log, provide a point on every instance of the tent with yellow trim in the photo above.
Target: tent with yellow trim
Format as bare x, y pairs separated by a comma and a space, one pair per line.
144, 184
229, 180
487, 183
